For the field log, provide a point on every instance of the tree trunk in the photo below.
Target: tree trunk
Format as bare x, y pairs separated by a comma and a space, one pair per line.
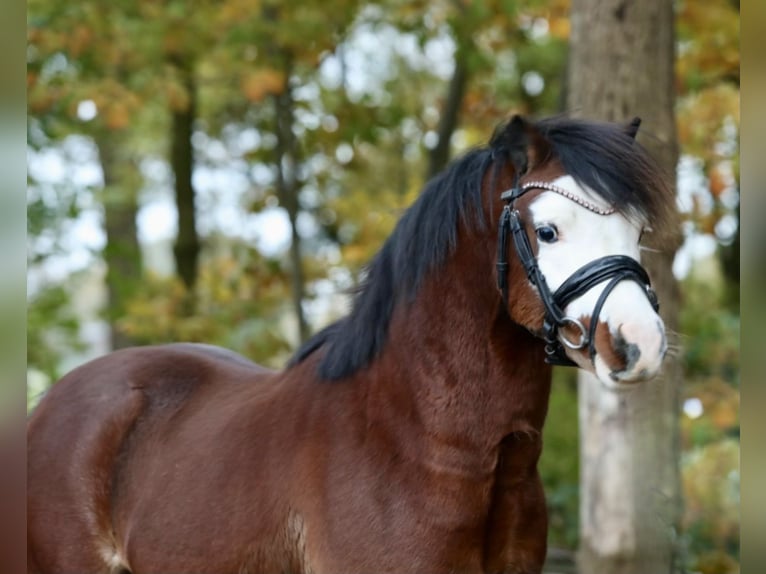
621, 66
122, 253
287, 190
440, 154
462, 29
187, 247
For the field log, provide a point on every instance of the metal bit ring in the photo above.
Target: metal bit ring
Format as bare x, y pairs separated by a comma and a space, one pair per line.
583, 334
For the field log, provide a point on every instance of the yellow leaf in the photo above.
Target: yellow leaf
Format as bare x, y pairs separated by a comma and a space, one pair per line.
178, 98
117, 116
559, 28
261, 83
79, 40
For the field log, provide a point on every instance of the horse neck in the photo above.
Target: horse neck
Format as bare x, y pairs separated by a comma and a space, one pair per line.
456, 366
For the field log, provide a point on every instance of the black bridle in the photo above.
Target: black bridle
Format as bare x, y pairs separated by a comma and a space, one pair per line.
612, 268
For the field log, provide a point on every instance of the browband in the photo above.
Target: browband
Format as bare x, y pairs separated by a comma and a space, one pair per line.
517, 191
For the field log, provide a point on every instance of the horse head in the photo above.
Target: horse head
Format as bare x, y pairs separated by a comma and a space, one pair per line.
579, 197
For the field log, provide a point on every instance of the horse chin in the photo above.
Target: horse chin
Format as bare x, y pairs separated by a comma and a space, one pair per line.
610, 379
619, 380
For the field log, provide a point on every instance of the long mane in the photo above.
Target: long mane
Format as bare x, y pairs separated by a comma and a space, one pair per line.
616, 167
599, 155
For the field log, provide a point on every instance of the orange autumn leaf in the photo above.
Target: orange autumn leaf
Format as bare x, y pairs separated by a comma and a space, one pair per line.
559, 28
178, 97
79, 40
261, 83
725, 415
718, 183
117, 116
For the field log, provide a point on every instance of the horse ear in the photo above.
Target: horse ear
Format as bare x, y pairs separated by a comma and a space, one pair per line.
539, 149
632, 128
511, 141
521, 143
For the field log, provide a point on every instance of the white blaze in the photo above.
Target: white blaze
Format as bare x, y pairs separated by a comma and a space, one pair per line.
584, 236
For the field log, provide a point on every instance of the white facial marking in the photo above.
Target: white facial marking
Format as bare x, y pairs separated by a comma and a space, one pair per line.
115, 562
584, 236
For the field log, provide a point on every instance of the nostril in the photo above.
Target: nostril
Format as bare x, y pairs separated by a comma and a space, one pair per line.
630, 351
632, 355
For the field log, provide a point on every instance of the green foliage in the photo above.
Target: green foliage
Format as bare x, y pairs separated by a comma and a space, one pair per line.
53, 329
53, 324
711, 482
237, 303
708, 120
711, 342
559, 463
707, 72
710, 436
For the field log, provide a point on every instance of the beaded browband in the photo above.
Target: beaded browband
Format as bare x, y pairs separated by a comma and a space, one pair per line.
568, 194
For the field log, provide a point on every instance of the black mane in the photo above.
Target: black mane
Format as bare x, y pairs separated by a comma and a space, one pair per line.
599, 155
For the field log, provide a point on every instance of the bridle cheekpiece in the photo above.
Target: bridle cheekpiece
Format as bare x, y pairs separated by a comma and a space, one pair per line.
612, 268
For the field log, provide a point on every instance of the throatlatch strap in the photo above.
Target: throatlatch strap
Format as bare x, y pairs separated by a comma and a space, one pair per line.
508, 196
502, 256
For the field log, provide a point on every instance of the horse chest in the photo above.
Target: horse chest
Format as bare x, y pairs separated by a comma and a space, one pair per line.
516, 533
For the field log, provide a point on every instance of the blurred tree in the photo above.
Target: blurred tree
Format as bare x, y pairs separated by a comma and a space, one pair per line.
187, 246
161, 54
710, 426
504, 58
53, 330
707, 80
630, 491
463, 24
707, 86
289, 43
285, 159
239, 289
78, 54
119, 198
427, 113
184, 39
125, 61
52, 207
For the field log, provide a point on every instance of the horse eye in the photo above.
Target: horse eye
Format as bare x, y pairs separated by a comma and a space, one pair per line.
547, 233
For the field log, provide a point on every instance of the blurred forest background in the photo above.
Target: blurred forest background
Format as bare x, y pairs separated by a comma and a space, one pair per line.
221, 171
